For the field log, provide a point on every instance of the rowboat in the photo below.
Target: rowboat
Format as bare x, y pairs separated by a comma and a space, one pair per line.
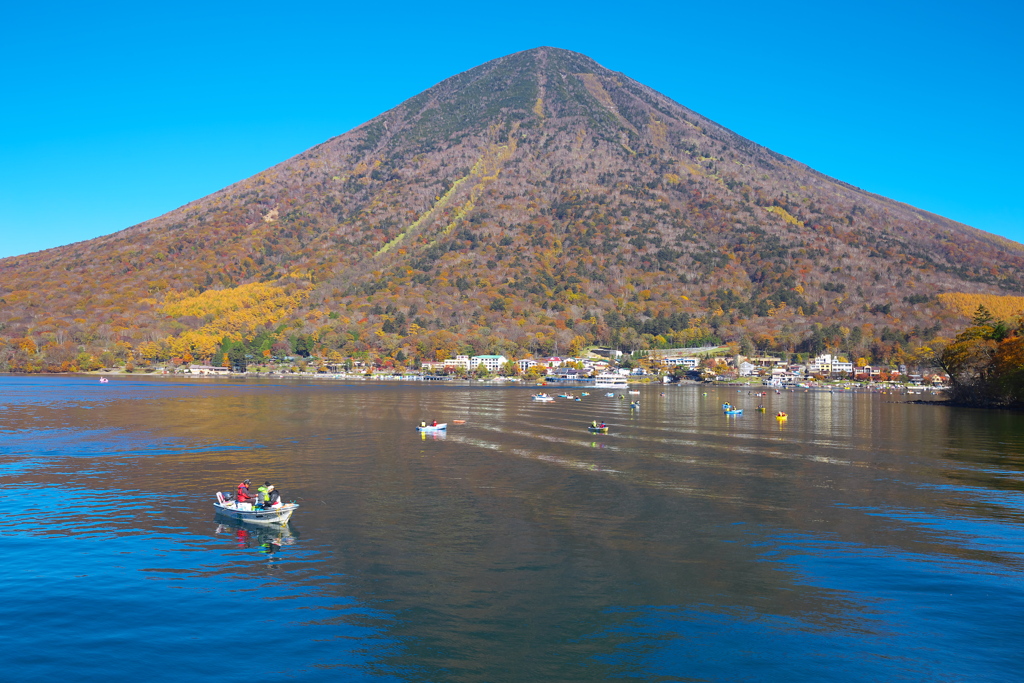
247, 512
781, 416
432, 428
542, 398
734, 411
600, 429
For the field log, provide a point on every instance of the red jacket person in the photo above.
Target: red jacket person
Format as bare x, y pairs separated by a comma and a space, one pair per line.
243, 495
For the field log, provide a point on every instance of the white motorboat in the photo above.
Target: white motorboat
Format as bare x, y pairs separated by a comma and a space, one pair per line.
610, 381
433, 428
247, 512
542, 398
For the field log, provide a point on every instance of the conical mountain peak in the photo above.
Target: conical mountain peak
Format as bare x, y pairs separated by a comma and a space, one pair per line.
534, 201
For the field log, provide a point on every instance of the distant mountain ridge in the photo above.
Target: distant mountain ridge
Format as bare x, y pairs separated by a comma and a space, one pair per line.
536, 202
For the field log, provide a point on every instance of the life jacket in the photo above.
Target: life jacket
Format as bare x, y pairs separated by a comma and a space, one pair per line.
243, 493
261, 495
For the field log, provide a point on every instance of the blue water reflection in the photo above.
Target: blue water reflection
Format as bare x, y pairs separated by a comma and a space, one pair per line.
864, 539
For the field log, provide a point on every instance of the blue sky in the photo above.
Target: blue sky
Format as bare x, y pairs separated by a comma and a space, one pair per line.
117, 112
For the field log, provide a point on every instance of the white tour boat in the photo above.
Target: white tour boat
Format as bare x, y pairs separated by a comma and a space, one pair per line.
610, 381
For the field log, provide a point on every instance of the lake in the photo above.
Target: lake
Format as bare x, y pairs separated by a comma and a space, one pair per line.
865, 538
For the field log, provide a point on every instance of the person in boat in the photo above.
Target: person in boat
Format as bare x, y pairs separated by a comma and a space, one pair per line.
263, 494
243, 495
434, 423
594, 423
274, 499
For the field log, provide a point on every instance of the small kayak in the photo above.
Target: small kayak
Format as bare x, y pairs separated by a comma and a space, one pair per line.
432, 428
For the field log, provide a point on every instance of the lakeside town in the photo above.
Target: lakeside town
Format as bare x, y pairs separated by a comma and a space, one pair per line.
705, 364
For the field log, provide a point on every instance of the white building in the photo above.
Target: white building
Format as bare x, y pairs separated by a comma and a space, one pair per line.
207, 370
525, 364
840, 367
491, 362
827, 364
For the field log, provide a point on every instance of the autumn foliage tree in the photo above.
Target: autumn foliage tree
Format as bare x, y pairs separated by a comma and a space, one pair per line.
986, 362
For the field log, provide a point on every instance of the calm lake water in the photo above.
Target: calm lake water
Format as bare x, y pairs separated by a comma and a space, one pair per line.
866, 539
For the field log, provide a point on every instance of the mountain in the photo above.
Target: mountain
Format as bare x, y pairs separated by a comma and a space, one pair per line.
534, 203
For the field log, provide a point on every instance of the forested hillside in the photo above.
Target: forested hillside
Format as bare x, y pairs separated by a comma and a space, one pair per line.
534, 204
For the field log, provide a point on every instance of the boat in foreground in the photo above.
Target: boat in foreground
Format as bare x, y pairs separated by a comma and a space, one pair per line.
246, 512
433, 428
599, 429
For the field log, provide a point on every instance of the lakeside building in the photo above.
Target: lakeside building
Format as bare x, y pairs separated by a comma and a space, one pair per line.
869, 371
827, 364
525, 364
688, 363
206, 370
493, 363
566, 373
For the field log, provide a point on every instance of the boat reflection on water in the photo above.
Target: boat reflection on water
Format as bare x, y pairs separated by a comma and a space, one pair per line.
435, 436
267, 539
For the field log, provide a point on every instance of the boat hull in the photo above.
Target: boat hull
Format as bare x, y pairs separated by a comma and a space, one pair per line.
610, 382
279, 515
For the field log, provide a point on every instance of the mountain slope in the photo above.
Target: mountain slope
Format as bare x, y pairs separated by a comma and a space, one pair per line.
536, 200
